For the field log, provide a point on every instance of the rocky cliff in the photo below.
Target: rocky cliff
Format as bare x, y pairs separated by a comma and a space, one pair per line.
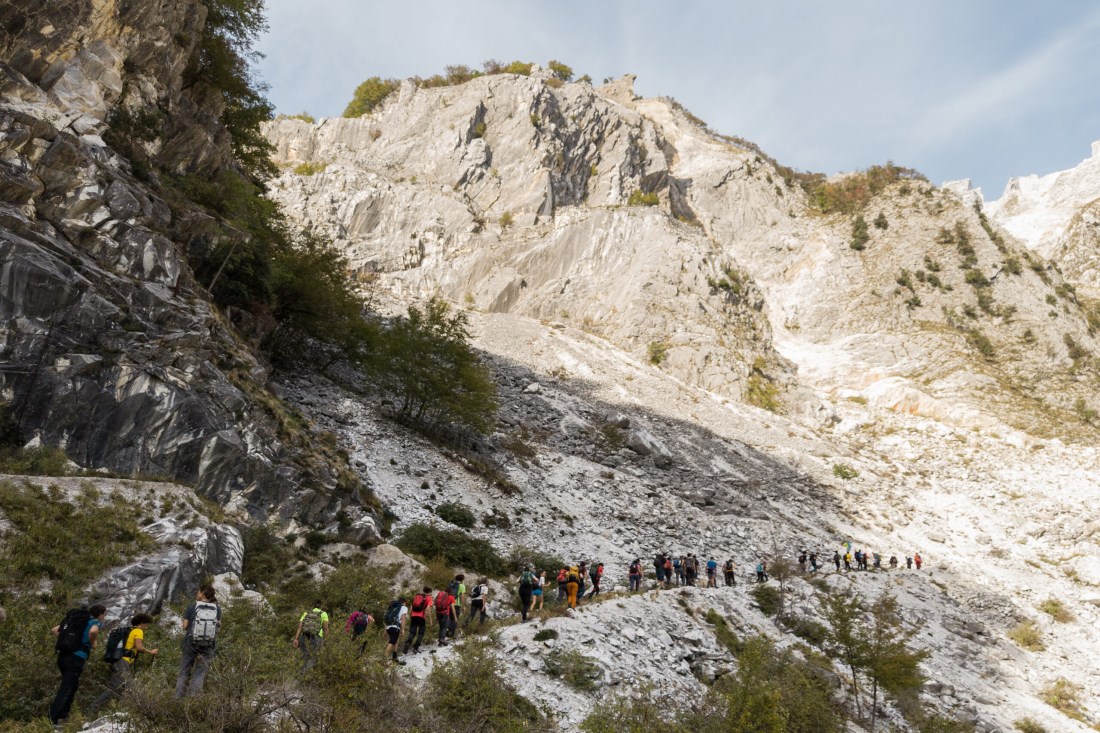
111, 348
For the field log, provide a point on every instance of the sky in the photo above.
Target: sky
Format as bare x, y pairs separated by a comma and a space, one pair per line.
979, 89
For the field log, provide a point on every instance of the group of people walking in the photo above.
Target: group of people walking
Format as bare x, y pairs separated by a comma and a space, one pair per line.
79, 633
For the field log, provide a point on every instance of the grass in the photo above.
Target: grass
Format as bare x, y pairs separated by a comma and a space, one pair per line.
768, 598
637, 198
1056, 610
574, 668
455, 547
1026, 634
1064, 696
1028, 725
844, 471
456, 514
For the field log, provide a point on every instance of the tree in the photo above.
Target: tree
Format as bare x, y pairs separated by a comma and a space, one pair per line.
369, 95
426, 363
876, 647
560, 70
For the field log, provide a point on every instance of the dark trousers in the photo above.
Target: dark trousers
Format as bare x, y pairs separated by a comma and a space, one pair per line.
477, 608
193, 666
121, 674
417, 627
524, 601
71, 667
446, 625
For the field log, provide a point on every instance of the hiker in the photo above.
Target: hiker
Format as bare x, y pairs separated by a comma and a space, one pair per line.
668, 570
538, 592
908, 562
561, 583
396, 619
596, 575
728, 571
479, 596
200, 623
761, 572
893, 562
659, 569
847, 562
802, 561
916, 560
582, 573
572, 584
357, 623
418, 619
526, 591
635, 575
859, 559
836, 560
878, 561
458, 590
712, 573
444, 612
678, 568
122, 648
813, 563
310, 635
691, 570
76, 637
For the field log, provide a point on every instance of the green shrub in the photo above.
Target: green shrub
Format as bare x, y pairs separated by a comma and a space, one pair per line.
500, 520
880, 221
1028, 725
657, 351
456, 514
560, 70
1027, 635
455, 547
763, 393
537, 559
637, 198
810, 630
369, 96
469, 688
768, 598
506, 220
844, 471
1056, 610
545, 635
722, 631
860, 235
980, 342
42, 460
1064, 696
266, 557
309, 169
851, 193
573, 668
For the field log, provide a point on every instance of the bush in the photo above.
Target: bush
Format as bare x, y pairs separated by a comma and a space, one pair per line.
768, 599
500, 520
1028, 725
42, 460
309, 169
455, 547
880, 221
560, 70
844, 471
1056, 609
469, 688
657, 351
506, 220
537, 559
266, 557
637, 198
545, 635
456, 514
1064, 696
1027, 635
860, 234
851, 193
369, 96
573, 668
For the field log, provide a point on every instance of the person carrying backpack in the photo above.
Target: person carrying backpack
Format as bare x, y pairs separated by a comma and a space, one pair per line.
122, 647
201, 622
917, 560
561, 583
538, 592
418, 619
444, 613
76, 637
572, 584
727, 571
659, 570
596, 575
582, 575
358, 622
479, 596
761, 572
526, 589
458, 590
908, 562
836, 559
634, 574
712, 573
395, 620
813, 563
310, 635
678, 568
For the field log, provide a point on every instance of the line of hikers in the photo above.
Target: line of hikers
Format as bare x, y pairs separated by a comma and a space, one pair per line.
78, 634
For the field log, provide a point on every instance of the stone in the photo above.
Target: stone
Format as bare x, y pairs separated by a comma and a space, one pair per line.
533, 388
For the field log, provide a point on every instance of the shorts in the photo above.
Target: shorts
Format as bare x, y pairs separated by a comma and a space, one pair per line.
394, 633
660, 575
537, 592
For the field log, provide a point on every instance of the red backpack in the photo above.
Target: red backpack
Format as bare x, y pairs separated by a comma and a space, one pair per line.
443, 601
561, 575
420, 604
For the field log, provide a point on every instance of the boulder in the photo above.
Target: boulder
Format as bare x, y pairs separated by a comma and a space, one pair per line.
402, 570
644, 443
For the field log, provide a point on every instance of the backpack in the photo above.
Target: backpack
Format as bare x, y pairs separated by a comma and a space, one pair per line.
443, 601
359, 622
393, 614
311, 624
116, 645
476, 592
668, 564
561, 575
594, 573
527, 579
453, 589
204, 627
572, 577
70, 633
420, 603
634, 569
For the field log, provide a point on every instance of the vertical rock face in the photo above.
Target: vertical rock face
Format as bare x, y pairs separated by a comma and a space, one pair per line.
628, 219
112, 350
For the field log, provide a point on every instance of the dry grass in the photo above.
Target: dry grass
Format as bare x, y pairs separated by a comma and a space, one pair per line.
1026, 634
